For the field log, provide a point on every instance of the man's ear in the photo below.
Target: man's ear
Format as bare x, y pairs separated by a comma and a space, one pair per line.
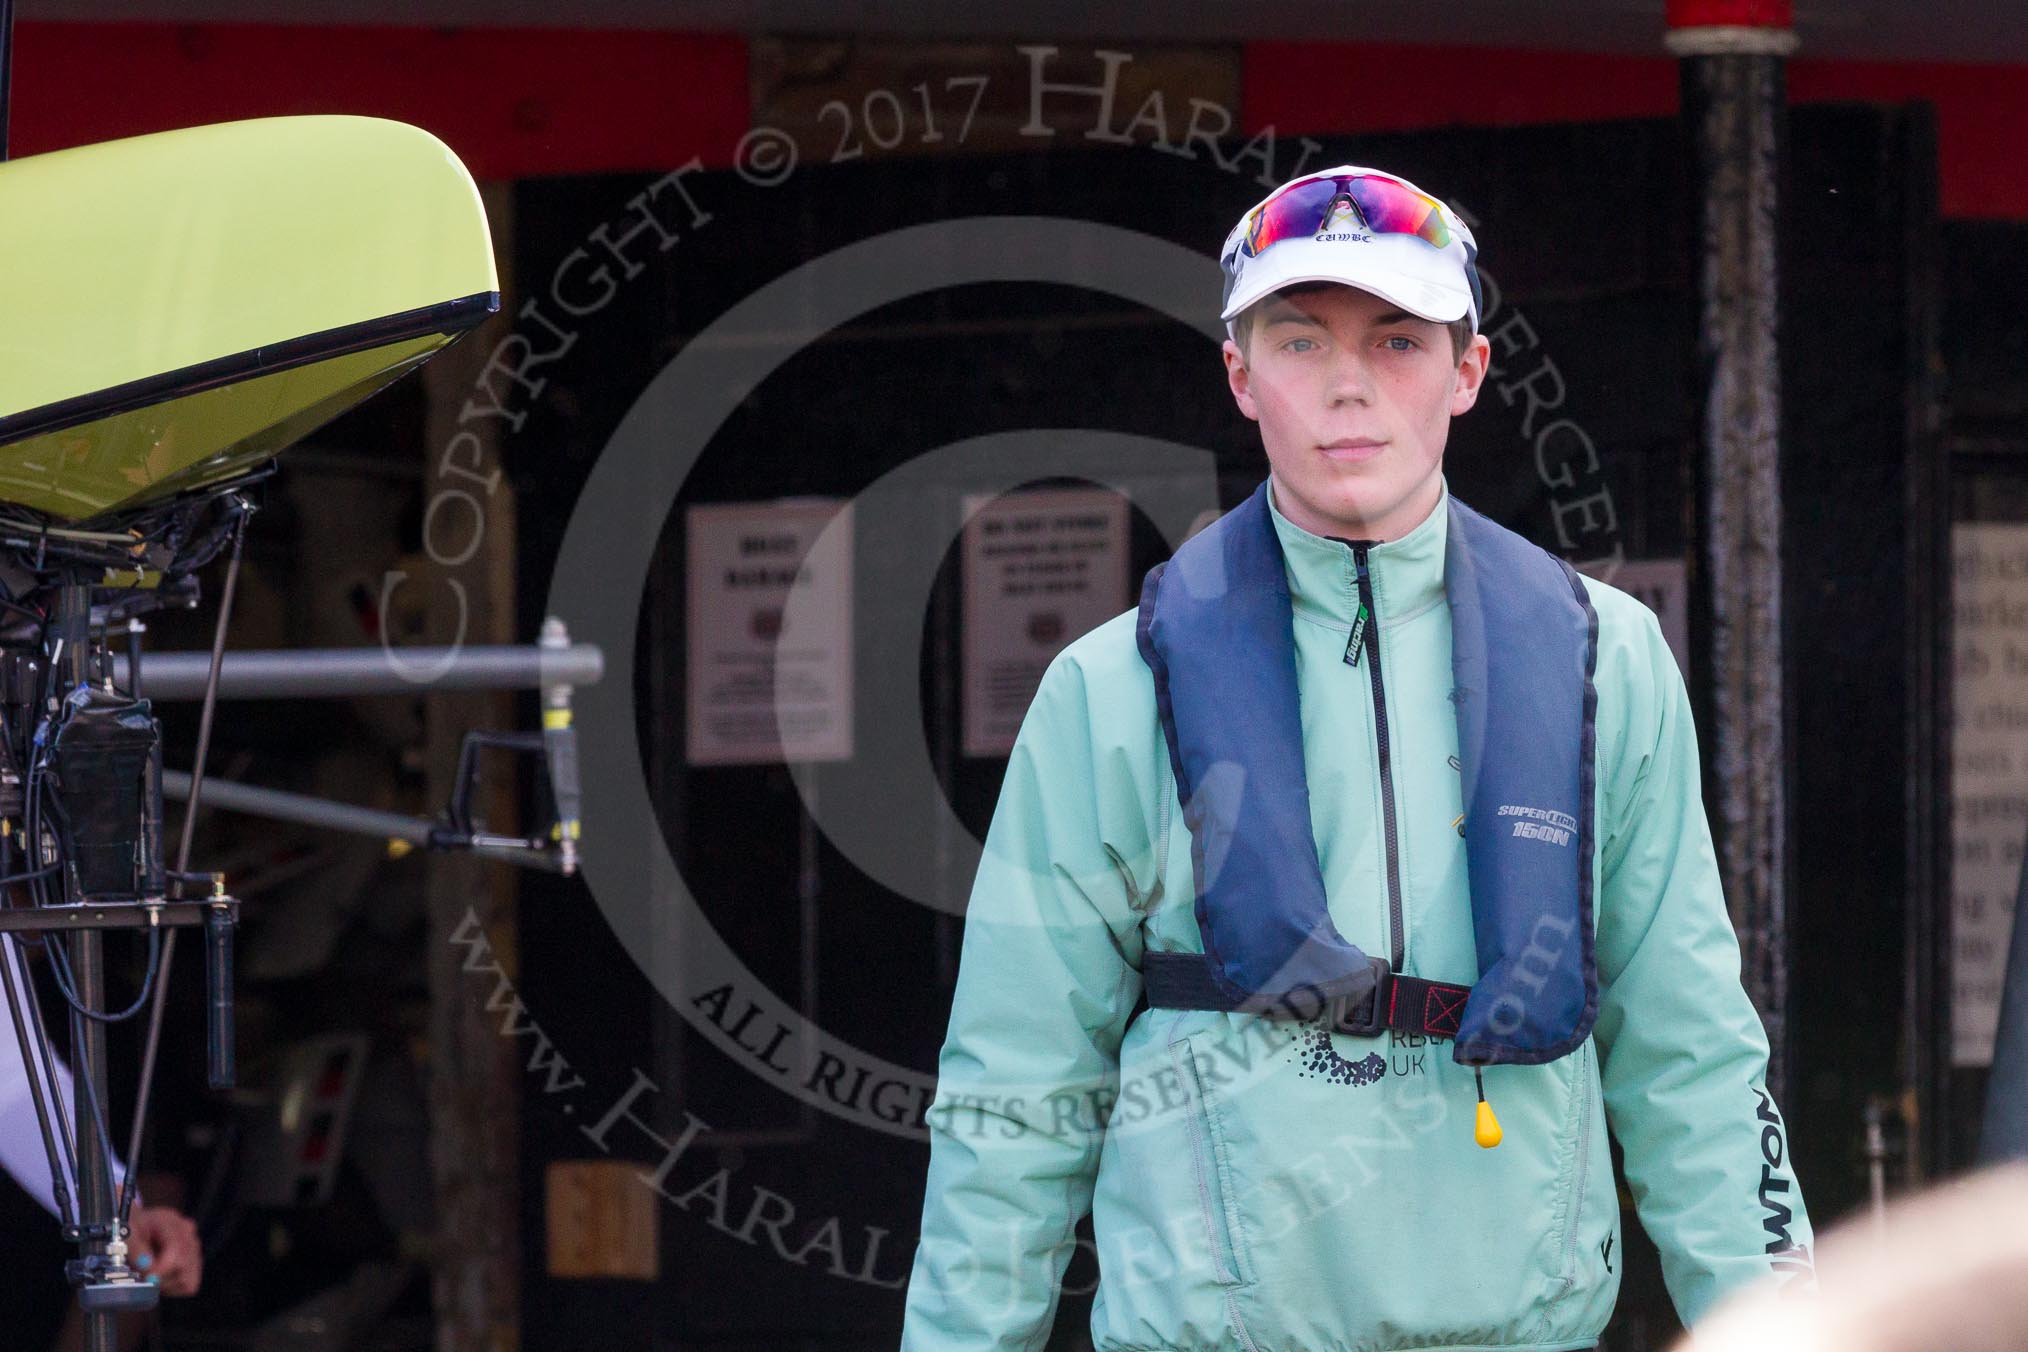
1472, 367
1239, 379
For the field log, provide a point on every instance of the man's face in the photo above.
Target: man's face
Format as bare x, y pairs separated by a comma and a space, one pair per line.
1340, 365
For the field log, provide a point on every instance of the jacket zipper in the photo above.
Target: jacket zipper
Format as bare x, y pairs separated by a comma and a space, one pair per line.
1367, 626
1582, 1092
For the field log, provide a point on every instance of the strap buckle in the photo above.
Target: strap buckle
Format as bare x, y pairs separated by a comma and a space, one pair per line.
1367, 1016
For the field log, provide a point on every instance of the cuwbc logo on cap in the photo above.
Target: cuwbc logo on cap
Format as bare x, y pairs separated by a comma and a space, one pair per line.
1344, 223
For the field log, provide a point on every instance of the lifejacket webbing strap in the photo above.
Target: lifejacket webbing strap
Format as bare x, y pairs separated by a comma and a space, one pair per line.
1402, 1003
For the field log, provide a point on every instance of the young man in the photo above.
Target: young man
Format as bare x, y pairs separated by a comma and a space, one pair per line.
1395, 822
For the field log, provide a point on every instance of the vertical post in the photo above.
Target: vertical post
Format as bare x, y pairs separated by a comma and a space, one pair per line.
1926, 510
1734, 98
465, 585
87, 962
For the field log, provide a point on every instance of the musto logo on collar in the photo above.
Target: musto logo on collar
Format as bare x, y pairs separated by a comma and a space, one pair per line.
1216, 628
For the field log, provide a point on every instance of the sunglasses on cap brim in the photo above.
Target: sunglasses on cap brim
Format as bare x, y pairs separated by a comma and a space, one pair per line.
1386, 206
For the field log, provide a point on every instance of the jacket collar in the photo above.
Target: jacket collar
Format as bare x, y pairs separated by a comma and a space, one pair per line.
1407, 573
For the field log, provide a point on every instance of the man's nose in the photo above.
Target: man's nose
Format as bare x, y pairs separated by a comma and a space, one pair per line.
1350, 381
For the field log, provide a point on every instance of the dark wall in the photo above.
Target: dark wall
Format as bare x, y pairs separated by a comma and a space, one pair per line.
1984, 322
1864, 594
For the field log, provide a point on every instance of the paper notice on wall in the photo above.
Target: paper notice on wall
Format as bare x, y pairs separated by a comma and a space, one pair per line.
1663, 586
1989, 772
1041, 568
758, 690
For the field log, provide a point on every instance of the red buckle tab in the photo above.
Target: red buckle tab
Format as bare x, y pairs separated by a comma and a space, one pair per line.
1444, 1007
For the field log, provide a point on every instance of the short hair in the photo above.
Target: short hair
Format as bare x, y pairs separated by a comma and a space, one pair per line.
1243, 322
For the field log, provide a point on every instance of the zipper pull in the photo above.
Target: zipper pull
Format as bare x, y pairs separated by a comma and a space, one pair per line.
1486, 1129
1358, 640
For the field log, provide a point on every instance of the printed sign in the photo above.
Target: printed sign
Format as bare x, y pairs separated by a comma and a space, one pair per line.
1041, 568
756, 692
1663, 586
1989, 772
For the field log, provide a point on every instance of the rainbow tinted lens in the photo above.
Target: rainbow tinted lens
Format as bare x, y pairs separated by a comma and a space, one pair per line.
1384, 205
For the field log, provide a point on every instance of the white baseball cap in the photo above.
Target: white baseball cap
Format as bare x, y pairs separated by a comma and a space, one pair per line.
1362, 227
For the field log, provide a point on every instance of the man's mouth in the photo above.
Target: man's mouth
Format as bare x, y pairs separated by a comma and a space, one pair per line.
1353, 448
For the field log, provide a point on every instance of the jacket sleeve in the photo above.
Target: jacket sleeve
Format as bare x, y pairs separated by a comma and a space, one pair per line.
1047, 978
1683, 1055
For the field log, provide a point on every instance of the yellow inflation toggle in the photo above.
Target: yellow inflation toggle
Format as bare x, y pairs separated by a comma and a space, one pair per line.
1486, 1127
1487, 1131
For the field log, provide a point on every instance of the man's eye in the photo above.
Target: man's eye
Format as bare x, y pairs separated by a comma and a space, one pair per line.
1289, 346
1408, 344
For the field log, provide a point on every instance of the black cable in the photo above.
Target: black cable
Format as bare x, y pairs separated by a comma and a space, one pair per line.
66, 981
8, 880
90, 1094
32, 826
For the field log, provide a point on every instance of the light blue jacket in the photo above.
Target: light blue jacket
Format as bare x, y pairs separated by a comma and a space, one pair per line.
1262, 1184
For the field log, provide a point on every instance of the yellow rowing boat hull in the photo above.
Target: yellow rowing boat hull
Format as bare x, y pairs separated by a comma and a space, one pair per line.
176, 308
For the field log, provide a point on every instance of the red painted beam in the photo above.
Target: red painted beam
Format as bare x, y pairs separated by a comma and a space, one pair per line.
518, 102
510, 102
1339, 88
1981, 121
1346, 88
1731, 13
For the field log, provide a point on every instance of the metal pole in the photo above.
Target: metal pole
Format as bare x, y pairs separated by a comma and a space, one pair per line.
315, 673
1735, 110
71, 669
281, 805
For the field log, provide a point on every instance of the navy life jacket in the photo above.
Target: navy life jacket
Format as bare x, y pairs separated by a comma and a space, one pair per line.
1216, 628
